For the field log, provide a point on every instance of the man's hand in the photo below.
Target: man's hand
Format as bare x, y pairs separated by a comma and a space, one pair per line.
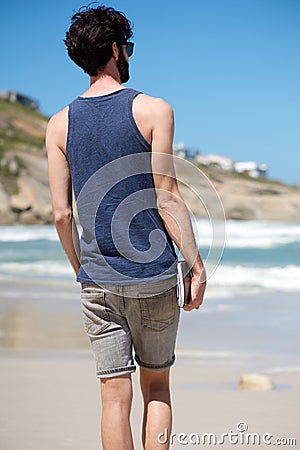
198, 287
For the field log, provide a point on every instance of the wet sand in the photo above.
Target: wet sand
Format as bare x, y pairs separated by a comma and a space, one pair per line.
50, 398
51, 401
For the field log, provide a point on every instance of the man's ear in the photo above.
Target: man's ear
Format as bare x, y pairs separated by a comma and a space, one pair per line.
115, 51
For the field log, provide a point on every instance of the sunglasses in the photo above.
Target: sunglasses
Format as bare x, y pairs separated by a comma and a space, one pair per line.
129, 48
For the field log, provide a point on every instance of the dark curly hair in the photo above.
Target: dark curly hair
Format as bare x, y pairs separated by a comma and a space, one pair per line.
91, 34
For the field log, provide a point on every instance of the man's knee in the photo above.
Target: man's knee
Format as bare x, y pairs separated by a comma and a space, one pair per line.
154, 382
116, 389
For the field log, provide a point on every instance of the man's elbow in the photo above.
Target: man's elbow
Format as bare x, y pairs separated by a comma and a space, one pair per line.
62, 216
168, 202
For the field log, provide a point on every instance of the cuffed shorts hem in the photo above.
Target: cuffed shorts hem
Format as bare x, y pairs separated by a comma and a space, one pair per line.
155, 366
115, 372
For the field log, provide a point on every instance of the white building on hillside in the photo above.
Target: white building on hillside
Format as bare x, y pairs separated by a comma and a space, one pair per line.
16, 97
185, 152
179, 149
223, 162
251, 168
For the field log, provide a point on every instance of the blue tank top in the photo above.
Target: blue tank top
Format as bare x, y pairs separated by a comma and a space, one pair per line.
123, 239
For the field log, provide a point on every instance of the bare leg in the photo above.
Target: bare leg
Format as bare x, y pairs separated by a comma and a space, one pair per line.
157, 407
116, 393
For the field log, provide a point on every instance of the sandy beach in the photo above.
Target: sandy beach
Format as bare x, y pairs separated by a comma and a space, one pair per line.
49, 395
51, 401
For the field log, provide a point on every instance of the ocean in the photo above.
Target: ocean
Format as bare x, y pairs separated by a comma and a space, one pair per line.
259, 257
251, 310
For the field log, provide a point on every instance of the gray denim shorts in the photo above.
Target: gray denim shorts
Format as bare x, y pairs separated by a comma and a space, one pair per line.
117, 323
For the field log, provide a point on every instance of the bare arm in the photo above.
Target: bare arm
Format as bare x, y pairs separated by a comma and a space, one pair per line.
171, 205
61, 188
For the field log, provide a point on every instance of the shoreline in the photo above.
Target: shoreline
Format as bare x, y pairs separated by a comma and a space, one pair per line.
50, 394
54, 402
37, 315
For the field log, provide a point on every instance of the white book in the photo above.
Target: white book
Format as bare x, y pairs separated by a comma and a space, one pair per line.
183, 283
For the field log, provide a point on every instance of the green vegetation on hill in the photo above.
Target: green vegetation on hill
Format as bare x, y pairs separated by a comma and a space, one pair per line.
21, 129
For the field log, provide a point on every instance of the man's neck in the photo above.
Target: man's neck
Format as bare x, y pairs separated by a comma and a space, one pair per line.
104, 83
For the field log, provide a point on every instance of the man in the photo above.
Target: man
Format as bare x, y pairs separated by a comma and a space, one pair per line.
113, 147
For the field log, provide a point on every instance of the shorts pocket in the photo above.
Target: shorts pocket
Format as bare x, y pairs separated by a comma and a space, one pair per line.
158, 312
95, 316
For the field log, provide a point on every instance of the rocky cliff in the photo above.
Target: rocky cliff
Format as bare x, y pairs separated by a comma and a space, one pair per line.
24, 190
242, 197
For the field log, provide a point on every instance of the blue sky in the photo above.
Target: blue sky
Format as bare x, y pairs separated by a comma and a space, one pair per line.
229, 68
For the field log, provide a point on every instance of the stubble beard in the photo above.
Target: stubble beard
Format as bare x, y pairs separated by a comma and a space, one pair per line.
123, 67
